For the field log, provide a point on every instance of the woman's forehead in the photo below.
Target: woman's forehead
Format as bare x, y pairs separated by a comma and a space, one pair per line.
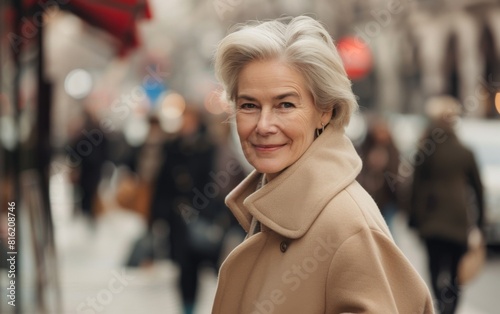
270, 77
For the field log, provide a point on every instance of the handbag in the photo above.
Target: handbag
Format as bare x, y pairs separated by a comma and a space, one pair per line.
472, 262
134, 194
205, 236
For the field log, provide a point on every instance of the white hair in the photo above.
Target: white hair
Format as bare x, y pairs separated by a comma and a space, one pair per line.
302, 43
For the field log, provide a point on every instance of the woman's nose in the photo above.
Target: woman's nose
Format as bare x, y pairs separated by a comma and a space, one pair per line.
266, 123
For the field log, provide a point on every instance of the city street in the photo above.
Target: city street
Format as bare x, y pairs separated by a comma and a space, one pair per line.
118, 115
93, 279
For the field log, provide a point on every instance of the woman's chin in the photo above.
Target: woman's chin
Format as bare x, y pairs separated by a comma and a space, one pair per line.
270, 172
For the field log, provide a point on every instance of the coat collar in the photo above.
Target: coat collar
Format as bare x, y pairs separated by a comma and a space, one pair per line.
291, 202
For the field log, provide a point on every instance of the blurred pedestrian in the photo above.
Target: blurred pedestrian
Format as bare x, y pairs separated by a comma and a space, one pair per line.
143, 164
88, 148
380, 163
441, 207
316, 241
189, 196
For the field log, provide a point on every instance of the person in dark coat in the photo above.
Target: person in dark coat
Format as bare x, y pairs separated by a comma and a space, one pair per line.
89, 149
380, 159
442, 208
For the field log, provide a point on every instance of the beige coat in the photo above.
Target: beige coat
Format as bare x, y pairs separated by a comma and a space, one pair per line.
324, 247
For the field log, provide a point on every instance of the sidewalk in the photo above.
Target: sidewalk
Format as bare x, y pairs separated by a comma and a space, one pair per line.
93, 276
93, 279
91, 260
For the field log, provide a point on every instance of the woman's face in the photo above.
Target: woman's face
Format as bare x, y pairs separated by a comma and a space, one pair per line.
275, 116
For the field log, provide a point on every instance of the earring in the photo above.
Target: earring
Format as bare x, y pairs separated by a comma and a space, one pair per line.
322, 129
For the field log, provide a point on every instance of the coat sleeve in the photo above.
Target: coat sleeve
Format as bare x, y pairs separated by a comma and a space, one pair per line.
474, 180
419, 197
369, 274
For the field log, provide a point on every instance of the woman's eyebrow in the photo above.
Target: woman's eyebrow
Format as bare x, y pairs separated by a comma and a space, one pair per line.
285, 95
278, 97
246, 97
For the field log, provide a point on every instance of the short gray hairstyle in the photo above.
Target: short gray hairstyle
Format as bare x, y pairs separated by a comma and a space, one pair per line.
301, 42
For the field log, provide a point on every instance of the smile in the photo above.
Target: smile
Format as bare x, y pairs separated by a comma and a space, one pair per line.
268, 148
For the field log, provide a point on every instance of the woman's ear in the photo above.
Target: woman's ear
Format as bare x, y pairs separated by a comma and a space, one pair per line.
326, 116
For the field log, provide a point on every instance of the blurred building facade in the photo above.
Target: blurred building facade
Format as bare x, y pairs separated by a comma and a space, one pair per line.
426, 48
420, 48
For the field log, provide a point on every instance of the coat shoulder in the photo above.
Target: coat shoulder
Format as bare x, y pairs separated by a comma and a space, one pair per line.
349, 212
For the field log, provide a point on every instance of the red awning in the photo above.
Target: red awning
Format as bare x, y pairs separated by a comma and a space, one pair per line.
116, 17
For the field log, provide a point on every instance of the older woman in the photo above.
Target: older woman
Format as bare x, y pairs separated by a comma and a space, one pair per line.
316, 241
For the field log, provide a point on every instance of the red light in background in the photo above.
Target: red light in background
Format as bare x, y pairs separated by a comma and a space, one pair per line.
356, 56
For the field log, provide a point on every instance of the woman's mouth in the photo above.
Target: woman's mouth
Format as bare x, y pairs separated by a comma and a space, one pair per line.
268, 148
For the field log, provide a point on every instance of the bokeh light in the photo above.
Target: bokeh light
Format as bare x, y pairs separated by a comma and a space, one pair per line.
171, 111
173, 106
356, 56
214, 103
136, 130
8, 132
78, 83
356, 130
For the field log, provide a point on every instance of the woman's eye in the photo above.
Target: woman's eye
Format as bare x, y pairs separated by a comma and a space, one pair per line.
287, 105
248, 106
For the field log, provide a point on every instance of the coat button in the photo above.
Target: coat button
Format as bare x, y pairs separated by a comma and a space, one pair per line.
283, 246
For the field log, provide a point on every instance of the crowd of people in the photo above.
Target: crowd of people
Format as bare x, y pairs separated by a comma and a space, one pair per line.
179, 179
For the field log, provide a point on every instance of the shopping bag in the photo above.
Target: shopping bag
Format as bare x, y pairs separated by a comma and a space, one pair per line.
473, 260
